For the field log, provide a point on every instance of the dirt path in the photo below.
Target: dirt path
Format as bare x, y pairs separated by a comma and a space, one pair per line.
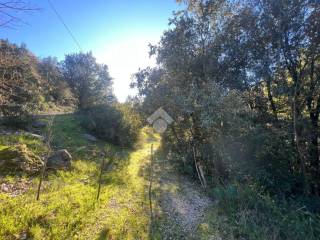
182, 200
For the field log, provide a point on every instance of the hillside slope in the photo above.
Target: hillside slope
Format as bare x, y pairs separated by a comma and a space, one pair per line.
68, 208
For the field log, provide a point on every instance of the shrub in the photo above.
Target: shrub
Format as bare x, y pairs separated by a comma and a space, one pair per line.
16, 122
118, 124
20, 80
244, 212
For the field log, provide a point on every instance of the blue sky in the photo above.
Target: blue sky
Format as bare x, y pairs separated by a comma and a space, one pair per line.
116, 31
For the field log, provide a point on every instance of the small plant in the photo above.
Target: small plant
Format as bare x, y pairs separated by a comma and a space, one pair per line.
117, 124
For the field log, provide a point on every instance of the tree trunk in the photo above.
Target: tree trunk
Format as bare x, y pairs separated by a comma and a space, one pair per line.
199, 169
272, 103
314, 154
296, 116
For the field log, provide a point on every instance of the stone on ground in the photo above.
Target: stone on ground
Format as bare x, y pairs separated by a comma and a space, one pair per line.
20, 158
60, 159
89, 137
37, 136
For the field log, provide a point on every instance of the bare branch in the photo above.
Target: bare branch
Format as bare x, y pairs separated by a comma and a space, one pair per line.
9, 11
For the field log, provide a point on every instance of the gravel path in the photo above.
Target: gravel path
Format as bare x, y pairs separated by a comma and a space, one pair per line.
182, 200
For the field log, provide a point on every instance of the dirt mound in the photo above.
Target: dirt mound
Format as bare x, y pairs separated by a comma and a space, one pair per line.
20, 158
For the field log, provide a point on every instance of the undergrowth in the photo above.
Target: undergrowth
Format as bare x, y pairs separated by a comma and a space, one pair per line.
243, 212
68, 208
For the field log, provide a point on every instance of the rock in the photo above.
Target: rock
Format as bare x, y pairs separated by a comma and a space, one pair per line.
39, 124
23, 236
90, 137
15, 188
35, 136
61, 159
4, 188
20, 158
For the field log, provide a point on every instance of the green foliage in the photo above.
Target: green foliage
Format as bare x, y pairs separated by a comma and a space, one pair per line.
19, 122
243, 212
20, 81
118, 124
33, 143
19, 158
55, 89
244, 94
68, 208
29, 84
89, 81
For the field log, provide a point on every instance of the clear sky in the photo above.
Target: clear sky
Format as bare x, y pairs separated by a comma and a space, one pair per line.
116, 31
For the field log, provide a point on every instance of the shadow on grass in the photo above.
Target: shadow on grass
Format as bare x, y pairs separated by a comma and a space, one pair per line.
104, 234
162, 226
67, 133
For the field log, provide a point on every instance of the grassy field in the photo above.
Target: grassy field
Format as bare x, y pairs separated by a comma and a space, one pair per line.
68, 208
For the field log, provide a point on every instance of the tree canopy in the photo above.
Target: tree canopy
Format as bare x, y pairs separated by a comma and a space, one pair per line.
242, 80
89, 81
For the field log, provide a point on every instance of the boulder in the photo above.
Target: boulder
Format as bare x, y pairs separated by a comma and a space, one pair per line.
20, 158
60, 159
89, 137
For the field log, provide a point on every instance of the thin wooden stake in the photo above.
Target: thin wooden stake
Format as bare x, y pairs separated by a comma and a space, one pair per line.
101, 170
150, 185
196, 165
49, 135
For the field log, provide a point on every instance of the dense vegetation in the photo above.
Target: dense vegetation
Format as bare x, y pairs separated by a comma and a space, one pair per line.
118, 123
242, 82
68, 208
30, 85
241, 79
20, 80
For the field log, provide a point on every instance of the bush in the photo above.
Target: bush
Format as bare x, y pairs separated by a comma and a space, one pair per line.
118, 124
16, 122
270, 158
244, 212
20, 80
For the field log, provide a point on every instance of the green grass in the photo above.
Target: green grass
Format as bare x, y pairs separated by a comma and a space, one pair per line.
68, 208
33, 143
242, 212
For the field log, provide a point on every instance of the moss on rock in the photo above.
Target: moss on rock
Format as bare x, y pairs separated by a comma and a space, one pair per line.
19, 158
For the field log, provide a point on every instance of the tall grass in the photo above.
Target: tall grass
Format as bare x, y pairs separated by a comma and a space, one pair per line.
244, 212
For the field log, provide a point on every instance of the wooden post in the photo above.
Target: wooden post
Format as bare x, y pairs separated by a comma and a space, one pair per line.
150, 186
48, 143
100, 176
199, 170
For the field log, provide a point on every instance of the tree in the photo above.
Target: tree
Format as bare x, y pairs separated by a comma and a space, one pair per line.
56, 89
19, 80
89, 81
281, 48
267, 52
